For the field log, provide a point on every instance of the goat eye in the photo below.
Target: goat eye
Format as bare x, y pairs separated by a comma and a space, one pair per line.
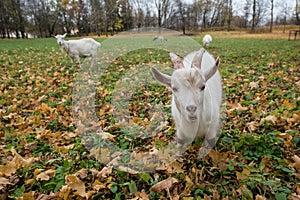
202, 87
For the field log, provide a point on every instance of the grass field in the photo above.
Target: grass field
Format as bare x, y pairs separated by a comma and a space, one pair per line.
256, 157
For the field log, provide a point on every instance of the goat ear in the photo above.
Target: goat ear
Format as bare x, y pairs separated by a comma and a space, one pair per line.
213, 70
64, 35
177, 62
163, 78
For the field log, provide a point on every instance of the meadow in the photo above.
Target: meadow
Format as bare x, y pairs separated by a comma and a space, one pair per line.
42, 155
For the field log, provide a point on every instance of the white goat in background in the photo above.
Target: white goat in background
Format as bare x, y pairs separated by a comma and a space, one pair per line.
159, 38
196, 96
86, 47
207, 39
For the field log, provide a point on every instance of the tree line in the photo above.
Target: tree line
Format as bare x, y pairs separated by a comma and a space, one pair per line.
21, 18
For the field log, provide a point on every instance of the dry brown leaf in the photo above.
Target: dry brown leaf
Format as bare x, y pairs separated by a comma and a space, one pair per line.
28, 196
142, 196
297, 162
259, 197
175, 167
128, 170
8, 169
46, 175
236, 106
106, 136
297, 175
206, 197
102, 155
243, 175
82, 173
64, 192
253, 84
97, 185
105, 172
164, 185
188, 185
4, 181
269, 118
219, 159
294, 196
16, 163
29, 181
75, 183
288, 138
296, 187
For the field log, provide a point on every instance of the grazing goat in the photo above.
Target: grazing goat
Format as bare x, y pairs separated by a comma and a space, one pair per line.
207, 39
86, 47
196, 95
159, 38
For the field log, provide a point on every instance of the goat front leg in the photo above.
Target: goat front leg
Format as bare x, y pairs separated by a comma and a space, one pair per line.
94, 60
78, 60
211, 138
72, 60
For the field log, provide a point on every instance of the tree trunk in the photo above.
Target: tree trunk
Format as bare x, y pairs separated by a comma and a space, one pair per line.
271, 22
229, 15
253, 15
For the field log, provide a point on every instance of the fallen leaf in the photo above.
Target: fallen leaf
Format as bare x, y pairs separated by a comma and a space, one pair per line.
288, 138
297, 162
28, 196
237, 106
106, 136
97, 185
259, 197
293, 196
243, 175
105, 172
64, 192
253, 84
75, 183
142, 195
46, 175
296, 187
4, 181
164, 185
269, 118
82, 173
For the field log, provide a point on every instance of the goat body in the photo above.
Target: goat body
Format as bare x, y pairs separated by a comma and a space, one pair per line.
207, 39
196, 95
86, 47
159, 38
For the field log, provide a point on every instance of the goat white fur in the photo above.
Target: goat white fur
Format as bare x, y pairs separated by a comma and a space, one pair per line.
159, 38
207, 39
196, 95
86, 47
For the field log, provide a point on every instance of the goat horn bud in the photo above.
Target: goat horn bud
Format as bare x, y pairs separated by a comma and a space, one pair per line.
177, 62
198, 58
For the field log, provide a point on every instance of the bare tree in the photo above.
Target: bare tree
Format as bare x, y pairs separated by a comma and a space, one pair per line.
271, 20
181, 15
297, 12
163, 7
253, 15
229, 14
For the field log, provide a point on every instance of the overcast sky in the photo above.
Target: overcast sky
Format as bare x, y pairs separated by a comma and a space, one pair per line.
238, 6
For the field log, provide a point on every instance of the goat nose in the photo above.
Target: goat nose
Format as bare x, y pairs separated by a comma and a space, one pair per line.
191, 108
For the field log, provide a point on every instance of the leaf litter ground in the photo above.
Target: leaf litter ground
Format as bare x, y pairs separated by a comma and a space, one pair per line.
257, 155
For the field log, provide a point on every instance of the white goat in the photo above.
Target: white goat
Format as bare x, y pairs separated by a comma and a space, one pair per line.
159, 38
207, 39
196, 96
86, 47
